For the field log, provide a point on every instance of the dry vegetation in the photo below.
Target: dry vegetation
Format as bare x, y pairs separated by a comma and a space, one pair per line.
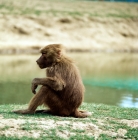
17, 127
85, 25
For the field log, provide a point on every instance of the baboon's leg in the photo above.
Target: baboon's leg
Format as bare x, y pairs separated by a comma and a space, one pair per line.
48, 97
38, 99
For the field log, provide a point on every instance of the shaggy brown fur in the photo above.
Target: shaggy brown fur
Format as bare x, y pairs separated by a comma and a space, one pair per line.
62, 90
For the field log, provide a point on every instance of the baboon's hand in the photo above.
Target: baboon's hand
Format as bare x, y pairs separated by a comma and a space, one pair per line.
34, 86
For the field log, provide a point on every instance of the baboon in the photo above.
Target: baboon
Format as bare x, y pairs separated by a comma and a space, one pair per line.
62, 90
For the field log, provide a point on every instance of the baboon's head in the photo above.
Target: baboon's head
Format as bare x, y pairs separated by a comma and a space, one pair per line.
49, 55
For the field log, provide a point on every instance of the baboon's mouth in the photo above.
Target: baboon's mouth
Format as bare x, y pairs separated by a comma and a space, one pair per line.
41, 66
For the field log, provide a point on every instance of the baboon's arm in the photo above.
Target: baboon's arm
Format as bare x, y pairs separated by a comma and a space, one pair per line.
55, 83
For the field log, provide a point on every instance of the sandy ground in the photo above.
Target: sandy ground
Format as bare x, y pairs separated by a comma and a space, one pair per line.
83, 32
14, 127
96, 34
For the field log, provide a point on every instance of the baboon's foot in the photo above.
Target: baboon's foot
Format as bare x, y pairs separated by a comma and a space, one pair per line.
82, 114
26, 111
48, 111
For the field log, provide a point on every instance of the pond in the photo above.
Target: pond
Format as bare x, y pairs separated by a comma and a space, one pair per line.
109, 78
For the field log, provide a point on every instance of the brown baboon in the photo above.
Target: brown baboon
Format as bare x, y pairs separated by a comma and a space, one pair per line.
62, 90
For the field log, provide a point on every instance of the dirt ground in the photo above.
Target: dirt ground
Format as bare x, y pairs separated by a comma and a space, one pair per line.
14, 127
105, 31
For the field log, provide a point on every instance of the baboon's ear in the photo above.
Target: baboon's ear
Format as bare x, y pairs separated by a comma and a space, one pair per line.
59, 53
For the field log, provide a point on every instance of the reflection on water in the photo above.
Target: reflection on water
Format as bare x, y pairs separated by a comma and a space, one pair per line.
109, 78
129, 100
111, 96
120, 92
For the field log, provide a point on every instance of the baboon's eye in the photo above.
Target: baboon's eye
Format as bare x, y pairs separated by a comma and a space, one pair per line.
43, 52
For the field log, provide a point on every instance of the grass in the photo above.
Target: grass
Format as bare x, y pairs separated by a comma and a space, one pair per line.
73, 8
132, 133
106, 122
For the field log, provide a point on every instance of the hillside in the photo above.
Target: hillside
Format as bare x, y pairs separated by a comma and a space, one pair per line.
80, 26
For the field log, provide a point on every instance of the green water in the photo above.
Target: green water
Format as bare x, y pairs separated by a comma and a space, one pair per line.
119, 96
109, 78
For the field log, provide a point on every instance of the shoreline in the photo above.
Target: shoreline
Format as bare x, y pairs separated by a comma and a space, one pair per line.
35, 50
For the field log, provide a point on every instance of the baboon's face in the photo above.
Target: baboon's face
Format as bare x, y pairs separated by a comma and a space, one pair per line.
49, 55
42, 62
45, 60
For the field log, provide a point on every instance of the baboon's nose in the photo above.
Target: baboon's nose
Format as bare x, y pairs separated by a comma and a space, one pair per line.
37, 61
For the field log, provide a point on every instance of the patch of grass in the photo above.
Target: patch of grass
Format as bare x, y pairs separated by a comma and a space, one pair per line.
37, 12
101, 111
2, 6
50, 134
68, 127
4, 128
123, 15
105, 137
132, 133
29, 126
116, 125
73, 8
10, 138
82, 137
